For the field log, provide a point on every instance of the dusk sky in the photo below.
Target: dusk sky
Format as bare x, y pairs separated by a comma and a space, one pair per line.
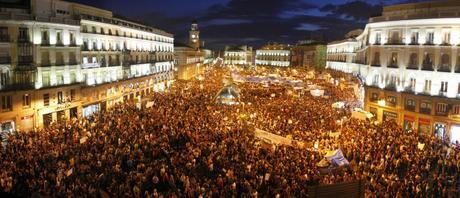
252, 22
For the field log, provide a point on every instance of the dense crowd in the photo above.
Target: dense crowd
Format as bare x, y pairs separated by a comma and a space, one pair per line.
187, 145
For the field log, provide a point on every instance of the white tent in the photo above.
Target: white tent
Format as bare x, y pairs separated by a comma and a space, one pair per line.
361, 114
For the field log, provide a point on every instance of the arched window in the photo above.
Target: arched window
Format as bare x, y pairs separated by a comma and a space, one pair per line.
413, 61
445, 66
428, 62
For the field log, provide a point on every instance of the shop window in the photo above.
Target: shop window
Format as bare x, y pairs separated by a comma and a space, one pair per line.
7, 103
46, 100
25, 100
410, 105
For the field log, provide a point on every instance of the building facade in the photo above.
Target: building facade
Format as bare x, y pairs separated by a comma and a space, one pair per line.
311, 55
61, 60
190, 58
409, 61
274, 55
238, 55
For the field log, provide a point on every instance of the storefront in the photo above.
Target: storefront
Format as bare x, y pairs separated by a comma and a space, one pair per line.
47, 119
440, 130
27, 123
91, 109
8, 126
455, 134
388, 115
409, 123
424, 126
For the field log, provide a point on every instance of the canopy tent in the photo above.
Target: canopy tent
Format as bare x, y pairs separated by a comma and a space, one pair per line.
228, 95
361, 114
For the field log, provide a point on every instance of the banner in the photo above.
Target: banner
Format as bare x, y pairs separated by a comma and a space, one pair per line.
336, 157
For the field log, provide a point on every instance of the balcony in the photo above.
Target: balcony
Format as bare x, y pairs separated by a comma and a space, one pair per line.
444, 69
429, 43
410, 108
59, 44
45, 43
442, 113
393, 66
427, 67
425, 111
375, 64
4, 38
25, 60
413, 67
23, 39
395, 42
90, 65
114, 63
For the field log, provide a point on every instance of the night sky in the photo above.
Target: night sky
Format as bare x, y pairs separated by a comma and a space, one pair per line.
252, 22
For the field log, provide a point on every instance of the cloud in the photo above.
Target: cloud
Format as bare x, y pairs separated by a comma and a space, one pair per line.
358, 10
225, 22
308, 27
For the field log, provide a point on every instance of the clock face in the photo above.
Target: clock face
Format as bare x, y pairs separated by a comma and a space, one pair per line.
193, 36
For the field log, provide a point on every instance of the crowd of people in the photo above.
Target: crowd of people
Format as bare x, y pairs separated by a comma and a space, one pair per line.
187, 145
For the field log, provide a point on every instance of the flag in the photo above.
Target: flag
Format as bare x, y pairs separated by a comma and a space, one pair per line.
336, 157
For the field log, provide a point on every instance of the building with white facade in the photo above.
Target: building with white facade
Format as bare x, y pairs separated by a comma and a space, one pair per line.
409, 60
54, 53
274, 55
238, 55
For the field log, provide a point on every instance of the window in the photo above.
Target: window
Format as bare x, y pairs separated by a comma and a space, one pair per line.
441, 109
45, 37
410, 104
428, 62
395, 37
394, 60
59, 38
72, 38
425, 107
378, 38
23, 35
4, 78
93, 29
446, 38
374, 97
430, 38
376, 60
414, 38
46, 100
413, 61
427, 88
60, 97
25, 100
445, 66
443, 87
4, 37
7, 103
391, 101
72, 94
456, 110
412, 84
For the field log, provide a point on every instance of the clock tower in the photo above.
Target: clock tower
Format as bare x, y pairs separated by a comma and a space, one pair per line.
194, 36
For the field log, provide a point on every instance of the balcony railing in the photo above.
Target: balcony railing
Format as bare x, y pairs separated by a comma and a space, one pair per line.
23, 39
25, 60
393, 66
410, 108
442, 113
375, 64
427, 67
90, 65
425, 110
444, 69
